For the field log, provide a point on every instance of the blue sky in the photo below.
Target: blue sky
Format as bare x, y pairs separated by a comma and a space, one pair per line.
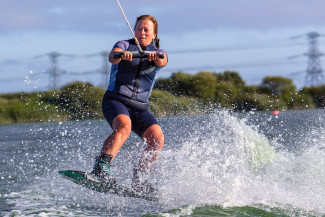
253, 37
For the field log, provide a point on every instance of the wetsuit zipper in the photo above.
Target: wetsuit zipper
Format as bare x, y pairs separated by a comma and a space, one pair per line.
137, 78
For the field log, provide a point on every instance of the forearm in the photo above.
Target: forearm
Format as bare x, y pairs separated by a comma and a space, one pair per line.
111, 56
161, 62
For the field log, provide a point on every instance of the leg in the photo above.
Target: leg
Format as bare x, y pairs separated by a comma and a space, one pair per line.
117, 115
154, 140
122, 128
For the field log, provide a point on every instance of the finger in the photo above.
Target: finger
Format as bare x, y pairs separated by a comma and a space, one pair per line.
152, 57
127, 56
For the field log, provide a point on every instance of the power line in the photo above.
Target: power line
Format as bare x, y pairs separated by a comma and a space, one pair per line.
252, 46
313, 54
259, 63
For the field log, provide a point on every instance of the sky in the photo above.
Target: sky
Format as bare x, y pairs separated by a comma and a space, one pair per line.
256, 38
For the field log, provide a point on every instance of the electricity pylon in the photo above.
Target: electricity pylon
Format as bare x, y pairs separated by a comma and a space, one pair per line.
54, 73
314, 71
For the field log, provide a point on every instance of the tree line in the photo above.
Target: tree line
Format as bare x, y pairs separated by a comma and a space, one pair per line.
228, 90
179, 94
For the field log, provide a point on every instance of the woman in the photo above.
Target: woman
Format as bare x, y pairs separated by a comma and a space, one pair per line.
125, 103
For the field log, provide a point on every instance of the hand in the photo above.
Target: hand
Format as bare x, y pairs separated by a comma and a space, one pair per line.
153, 56
127, 56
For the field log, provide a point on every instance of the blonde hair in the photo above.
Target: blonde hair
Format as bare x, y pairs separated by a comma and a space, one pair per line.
156, 40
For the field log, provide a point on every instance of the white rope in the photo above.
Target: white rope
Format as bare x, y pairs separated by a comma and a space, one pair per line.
135, 38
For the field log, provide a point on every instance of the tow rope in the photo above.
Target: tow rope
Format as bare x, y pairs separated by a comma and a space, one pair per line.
135, 38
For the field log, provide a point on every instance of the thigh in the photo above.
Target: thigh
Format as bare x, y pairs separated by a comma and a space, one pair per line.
141, 120
112, 108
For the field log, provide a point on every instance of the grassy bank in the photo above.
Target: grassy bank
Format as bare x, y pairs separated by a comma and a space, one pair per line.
178, 95
29, 107
79, 101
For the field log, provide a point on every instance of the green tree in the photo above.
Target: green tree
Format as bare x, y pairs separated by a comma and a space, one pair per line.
277, 86
183, 84
317, 93
231, 76
81, 100
282, 92
230, 90
164, 103
204, 86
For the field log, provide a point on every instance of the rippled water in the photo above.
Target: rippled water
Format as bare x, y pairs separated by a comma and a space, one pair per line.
254, 164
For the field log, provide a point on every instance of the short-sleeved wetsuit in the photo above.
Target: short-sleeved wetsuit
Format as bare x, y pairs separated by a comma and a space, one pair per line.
129, 88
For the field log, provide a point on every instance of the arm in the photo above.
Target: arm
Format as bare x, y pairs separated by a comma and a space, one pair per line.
128, 56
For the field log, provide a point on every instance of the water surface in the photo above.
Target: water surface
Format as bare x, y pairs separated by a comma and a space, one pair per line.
221, 164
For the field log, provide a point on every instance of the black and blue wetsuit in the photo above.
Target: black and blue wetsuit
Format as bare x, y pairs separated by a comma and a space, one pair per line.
130, 87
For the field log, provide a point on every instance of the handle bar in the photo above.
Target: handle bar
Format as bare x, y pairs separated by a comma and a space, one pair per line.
136, 54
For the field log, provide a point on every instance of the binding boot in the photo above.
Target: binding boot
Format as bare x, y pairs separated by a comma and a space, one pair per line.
102, 168
140, 183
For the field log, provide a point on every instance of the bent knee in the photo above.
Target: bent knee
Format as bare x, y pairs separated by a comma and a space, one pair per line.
124, 129
122, 125
154, 137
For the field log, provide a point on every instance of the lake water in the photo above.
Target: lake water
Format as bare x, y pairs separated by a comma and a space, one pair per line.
221, 164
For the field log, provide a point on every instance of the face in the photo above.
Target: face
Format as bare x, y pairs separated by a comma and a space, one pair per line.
144, 31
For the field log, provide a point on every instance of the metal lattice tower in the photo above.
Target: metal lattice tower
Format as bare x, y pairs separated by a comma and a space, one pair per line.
54, 73
314, 71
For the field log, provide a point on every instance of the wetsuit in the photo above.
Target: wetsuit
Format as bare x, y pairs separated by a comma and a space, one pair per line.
130, 87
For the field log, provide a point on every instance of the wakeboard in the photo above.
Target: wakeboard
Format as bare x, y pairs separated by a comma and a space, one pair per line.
95, 183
